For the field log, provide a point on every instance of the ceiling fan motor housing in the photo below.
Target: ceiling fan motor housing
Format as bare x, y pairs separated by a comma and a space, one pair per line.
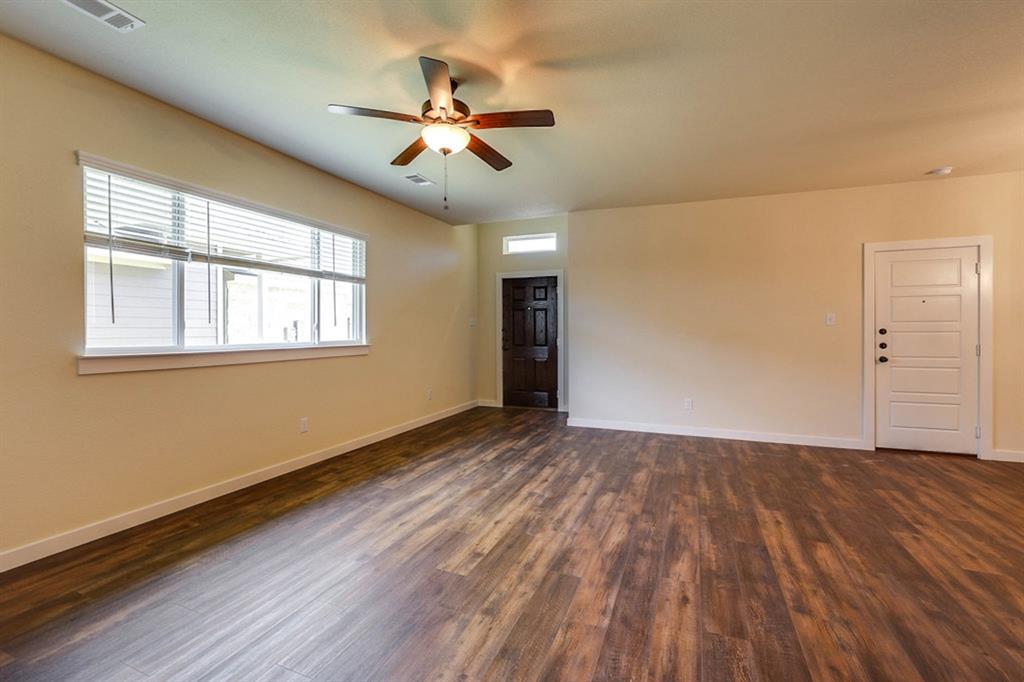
461, 112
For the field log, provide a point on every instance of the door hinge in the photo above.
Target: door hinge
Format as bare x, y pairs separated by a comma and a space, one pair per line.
977, 268
977, 350
977, 432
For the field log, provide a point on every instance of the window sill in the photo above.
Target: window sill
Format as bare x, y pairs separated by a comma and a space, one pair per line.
140, 362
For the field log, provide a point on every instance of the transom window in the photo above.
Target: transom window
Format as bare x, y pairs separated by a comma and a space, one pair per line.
529, 243
168, 269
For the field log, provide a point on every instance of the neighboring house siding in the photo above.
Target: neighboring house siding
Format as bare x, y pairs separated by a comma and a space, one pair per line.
143, 303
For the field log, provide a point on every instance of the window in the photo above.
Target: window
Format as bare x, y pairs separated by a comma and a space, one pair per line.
173, 270
529, 243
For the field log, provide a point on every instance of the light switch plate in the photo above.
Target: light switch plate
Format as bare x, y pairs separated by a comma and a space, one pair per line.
830, 319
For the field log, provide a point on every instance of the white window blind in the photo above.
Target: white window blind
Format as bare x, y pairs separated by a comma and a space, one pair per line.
140, 217
172, 267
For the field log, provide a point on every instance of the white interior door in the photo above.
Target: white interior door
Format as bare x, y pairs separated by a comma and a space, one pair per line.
926, 349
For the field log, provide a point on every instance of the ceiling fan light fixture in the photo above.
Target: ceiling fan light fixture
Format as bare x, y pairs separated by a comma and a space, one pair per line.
444, 138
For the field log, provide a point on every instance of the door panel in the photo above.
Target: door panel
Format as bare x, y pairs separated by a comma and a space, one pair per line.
926, 272
924, 344
926, 309
540, 326
926, 301
925, 380
925, 416
529, 342
518, 327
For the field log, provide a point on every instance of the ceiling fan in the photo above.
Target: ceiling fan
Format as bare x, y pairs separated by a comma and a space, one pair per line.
447, 122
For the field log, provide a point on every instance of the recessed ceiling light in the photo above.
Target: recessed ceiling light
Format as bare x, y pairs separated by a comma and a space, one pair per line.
940, 171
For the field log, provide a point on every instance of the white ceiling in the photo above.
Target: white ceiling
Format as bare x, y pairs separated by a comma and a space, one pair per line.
655, 102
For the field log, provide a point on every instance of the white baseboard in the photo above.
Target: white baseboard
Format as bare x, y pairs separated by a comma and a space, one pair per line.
93, 531
1005, 456
729, 434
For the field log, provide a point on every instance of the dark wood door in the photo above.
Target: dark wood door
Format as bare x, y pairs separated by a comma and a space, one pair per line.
529, 341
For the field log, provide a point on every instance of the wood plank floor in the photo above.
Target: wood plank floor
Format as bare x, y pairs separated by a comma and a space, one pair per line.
502, 544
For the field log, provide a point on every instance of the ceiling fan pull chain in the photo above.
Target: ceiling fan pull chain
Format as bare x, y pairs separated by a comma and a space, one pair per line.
445, 180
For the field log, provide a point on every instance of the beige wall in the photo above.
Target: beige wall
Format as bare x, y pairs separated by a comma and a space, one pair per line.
491, 261
724, 302
77, 449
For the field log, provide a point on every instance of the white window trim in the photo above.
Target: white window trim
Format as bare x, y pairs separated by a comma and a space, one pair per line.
114, 360
111, 361
526, 237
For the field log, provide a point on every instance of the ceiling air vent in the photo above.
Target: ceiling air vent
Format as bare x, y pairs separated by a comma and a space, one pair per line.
418, 179
110, 14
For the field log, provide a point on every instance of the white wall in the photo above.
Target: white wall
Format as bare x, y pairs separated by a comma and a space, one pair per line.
491, 261
724, 302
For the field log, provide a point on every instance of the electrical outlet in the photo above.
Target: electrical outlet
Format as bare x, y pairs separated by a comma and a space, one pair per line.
688, 404
303, 424
472, 322
430, 394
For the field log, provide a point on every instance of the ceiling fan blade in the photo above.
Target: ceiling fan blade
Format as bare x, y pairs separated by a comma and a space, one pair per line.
537, 118
372, 113
439, 83
488, 153
410, 153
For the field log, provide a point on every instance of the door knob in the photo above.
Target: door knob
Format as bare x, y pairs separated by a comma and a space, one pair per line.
883, 359
882, 331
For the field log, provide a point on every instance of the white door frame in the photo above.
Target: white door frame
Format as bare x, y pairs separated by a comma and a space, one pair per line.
985, 396
559, 275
